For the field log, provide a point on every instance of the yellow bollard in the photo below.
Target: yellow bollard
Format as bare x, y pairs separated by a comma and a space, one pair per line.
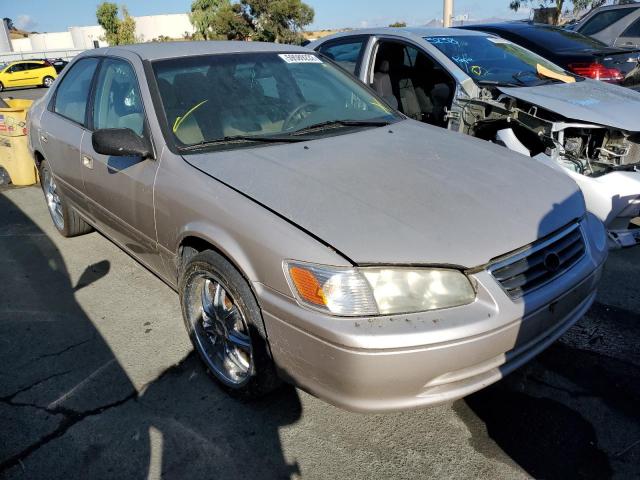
15, 158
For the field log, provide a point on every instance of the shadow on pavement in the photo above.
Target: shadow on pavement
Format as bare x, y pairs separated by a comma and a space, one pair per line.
61, 387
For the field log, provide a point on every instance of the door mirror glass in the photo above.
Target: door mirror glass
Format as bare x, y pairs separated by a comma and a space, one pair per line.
120, 142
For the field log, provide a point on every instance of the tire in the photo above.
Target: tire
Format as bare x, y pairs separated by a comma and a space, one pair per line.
66, 220
47, 81
1, 87
245, 371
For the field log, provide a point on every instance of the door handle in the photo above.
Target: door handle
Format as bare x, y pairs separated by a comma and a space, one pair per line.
87, 162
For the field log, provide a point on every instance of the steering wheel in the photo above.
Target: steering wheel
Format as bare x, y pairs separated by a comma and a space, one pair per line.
297, 115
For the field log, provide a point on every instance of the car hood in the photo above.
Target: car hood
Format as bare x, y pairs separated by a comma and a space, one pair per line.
404, 194
587, 101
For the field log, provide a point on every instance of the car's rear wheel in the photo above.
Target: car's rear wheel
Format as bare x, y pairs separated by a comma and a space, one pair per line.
66, 220
225, 325
1, 87
47, 81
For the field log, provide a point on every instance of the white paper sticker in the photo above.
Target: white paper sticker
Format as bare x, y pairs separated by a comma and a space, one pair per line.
299, 58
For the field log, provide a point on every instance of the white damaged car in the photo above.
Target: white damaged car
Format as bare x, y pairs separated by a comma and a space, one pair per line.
488, 87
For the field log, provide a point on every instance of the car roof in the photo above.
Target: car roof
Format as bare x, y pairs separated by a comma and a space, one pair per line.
615, 7
27, 60
512, 26
165, 50
408, 32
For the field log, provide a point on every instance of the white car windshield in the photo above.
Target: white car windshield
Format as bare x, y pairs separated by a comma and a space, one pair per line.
258, 96
494, 60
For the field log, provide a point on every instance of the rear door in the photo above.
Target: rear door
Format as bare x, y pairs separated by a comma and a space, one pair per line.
31, 74
63, 124
120, 189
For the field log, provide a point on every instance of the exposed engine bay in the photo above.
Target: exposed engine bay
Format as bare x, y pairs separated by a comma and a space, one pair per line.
603, 160
587, 149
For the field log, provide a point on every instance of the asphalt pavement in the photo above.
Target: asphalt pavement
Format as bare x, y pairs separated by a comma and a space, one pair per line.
98, 380
26, 93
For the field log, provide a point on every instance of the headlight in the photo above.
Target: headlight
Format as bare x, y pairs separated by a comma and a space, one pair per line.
352, 292
597, 232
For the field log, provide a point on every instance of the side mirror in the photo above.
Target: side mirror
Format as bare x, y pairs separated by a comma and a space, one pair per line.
120, 142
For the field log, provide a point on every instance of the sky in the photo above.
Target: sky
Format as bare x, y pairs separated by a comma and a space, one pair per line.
58, 15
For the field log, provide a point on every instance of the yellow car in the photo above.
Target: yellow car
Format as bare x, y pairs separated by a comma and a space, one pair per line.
27, 73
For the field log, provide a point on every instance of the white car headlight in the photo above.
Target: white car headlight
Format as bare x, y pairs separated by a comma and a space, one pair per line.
372, 291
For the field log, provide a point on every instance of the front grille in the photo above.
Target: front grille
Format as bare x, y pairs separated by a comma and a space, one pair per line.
528, 269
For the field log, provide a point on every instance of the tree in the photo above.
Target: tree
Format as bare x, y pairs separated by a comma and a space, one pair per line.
265, 20
117, 31
107, 15
126, 29
9, 22
203, 16
398, 24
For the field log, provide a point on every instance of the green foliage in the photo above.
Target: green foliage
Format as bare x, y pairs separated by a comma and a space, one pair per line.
264, 20
126, 29
398, 24
107, 15
118, 31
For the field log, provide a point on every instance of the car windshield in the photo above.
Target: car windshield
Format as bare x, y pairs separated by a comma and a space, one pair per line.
262, 96
494, 60
559, 40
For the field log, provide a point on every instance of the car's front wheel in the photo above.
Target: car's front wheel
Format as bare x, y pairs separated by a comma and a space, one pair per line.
1, 87
47, 81
225, 325
66, 220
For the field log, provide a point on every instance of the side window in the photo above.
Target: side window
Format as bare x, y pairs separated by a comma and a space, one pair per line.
633, 30
602, 20
18, 67
73, 93
117, 101
346, 53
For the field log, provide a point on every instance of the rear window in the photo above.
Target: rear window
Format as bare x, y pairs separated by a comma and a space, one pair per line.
557, 39
602, 20
633, 30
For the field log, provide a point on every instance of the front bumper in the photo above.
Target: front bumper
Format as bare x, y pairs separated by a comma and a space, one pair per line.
377, 379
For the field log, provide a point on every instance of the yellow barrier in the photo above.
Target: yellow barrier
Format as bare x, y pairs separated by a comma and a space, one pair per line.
15, 158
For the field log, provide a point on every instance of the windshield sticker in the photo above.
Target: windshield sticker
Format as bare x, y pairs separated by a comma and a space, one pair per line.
465, 59
498, 40
442, 40
299, 58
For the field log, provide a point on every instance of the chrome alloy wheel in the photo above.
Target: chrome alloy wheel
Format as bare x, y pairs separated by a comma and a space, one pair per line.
220, 331
48, 81
53, 200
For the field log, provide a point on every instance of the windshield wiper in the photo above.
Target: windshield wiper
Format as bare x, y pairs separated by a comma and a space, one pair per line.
317, 127
241, 139
497, 83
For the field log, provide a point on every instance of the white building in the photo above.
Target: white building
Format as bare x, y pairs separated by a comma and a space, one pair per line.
66, 44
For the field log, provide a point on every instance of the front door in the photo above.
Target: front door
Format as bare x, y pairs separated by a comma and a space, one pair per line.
16, 75
120, 189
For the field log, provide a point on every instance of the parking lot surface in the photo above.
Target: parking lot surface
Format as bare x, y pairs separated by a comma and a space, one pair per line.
26, 93
98, 380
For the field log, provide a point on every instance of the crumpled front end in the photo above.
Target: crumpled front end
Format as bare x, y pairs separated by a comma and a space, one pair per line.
603, 160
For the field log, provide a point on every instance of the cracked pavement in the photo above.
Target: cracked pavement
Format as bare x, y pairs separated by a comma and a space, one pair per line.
97, 380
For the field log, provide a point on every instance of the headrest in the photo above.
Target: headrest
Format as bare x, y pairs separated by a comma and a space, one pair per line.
384, 66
